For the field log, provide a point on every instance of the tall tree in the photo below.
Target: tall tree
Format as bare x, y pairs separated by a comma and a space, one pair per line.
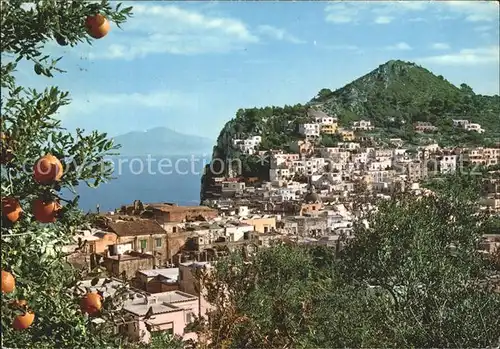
39, 159
412, 277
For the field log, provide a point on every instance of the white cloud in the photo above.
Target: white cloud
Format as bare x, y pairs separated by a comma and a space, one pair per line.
484, 28
91, 103
361, 11
475, 11
383, 19
400, 46
279, 34
417, 19
357, 11
172, 29
477, 56
339, 12
440, 46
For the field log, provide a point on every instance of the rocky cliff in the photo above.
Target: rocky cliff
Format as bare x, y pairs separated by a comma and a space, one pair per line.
393, 97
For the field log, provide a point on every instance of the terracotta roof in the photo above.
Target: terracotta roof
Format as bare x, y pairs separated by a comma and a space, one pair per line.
135, 227
168, 208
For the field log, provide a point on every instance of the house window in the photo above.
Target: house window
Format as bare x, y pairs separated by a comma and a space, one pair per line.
158, 242
144, 244
189, 317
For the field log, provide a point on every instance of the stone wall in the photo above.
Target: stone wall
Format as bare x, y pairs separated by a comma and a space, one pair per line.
127, 266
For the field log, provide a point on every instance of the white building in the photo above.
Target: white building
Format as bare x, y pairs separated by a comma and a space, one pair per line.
279, 174
237, 233
309, 166
243, 211
325, 120
460, 123
448, 164
283, 159
381, 176
249, 145
349, 145
328, 151
399, 152
383, 154
380, 165
336, 221
359, 158
287, 194
310, 130
468, 126
321, 118
474, 127
362, 125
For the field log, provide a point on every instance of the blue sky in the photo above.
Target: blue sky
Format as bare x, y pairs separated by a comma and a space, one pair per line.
190, 65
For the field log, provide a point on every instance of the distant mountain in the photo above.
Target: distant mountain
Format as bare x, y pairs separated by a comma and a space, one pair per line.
162, 141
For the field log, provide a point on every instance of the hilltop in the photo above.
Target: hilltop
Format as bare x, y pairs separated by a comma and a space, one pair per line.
393, 97
408, 93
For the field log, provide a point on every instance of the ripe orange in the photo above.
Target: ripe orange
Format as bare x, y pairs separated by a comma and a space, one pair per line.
97, 26
8, 282
48, 169
91, 303
46, 211
23, 321
11, 209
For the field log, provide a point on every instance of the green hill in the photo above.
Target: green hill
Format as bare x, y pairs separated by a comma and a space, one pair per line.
393, 96
398, 94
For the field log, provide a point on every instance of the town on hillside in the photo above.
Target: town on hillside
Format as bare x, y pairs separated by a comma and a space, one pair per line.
313, 197
368, 217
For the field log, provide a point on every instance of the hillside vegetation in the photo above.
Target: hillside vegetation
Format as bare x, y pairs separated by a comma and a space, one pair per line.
393, 96
398, 284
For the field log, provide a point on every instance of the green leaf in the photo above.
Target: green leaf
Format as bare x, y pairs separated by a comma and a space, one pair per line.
38, 69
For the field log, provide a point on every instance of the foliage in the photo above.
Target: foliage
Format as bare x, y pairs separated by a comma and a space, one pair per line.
277, 126
160, 340
32, 251
255, 166
330, 140
412, 278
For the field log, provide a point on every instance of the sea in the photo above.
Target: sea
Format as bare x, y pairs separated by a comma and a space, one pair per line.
151, 179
